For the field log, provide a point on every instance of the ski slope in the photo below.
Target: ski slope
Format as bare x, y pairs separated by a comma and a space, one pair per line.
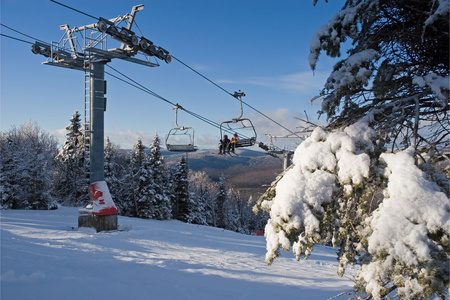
44, 256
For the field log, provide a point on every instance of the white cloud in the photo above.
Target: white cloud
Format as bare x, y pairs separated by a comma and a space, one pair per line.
126, 138
60, 135
200, 67
303, 82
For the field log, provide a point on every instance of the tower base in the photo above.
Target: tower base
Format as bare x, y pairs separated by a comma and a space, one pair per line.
100, 222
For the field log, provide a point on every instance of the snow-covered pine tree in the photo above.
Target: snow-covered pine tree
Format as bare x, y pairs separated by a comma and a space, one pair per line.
161, 208
9, 177
72, 183
220, 198
381, 210
331, 194
200, 198
180, 200
203, 188
146, 200
233, 218
239, 215
115, 162
139, 184
27, 164
126, 201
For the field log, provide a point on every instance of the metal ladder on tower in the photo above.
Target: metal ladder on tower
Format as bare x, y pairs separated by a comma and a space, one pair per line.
87, 120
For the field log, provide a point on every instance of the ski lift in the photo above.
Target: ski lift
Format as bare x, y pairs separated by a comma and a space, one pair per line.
243, 127
180, 138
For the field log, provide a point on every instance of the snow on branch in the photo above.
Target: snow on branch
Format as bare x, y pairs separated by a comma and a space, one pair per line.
442, 10
399, 230
438, 84
319, 162
352, 71
329, 37
401, 244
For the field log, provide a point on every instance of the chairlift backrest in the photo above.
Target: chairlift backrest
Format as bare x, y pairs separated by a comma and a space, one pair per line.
186, 144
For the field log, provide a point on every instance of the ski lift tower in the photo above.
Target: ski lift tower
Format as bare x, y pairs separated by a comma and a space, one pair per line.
85, 48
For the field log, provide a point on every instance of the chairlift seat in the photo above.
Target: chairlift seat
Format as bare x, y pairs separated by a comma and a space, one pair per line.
245, 142
181, 148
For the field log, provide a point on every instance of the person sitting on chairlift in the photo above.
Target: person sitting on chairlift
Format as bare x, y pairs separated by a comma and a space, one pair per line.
234, 142
225, 145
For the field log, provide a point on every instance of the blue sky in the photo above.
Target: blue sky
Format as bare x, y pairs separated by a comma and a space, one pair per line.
257, 46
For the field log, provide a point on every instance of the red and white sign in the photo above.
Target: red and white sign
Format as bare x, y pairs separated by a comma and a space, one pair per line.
103, 202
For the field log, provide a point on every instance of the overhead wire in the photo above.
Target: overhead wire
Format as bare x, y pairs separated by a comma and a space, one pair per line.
198, 73
79, 11
141, 87
21, 33
154, 94
130, 81
256, 110
17, 39
201, 75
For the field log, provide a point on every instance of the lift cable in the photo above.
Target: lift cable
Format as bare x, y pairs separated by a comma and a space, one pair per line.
148, 91
144, 88
198, 73
261, 113
132, 83
79, 11
17, 39
17, 31
29, 36
201, 75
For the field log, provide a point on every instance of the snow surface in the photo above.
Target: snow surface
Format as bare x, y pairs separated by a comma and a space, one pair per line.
44, 256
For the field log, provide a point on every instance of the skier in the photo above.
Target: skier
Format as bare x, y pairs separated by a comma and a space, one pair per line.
224, 145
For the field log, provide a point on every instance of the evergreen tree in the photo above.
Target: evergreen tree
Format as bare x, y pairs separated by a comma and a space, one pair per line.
381, 210
220, 199
161, 208
397, 70
332, 195
239, 215
202, 188
26, 168
181, 201
115, 163
146, 192
233, 220
139, 184
72, 182
9, 177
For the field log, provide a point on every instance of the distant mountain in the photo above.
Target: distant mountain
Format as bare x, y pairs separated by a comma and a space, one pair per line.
248, 171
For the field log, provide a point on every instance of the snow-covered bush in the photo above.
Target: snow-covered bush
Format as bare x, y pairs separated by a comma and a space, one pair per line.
332, 193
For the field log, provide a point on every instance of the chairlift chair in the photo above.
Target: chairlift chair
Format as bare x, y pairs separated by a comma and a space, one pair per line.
242, 126
180, 138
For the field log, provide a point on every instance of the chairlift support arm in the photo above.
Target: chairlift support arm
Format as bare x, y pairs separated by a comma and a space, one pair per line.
176, 107
134, 10
238, 95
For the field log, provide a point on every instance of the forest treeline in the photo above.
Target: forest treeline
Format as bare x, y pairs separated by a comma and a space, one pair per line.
36, 173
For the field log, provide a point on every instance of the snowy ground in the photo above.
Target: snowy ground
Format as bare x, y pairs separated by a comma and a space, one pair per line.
44, 256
